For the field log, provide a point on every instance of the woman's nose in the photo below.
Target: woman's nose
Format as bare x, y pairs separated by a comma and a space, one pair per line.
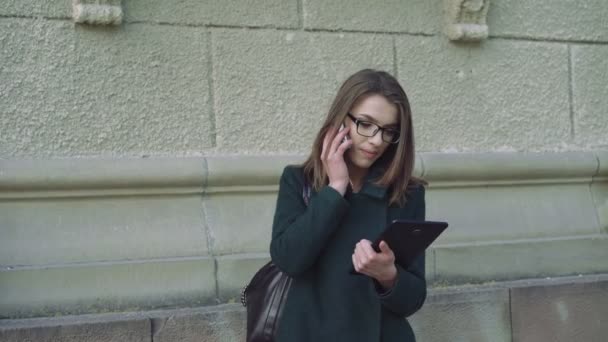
376, 139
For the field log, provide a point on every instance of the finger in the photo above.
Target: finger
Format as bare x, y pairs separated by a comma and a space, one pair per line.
362, 258
384, 248
337, 141
343, 147
326, 141
366, 249
356, 263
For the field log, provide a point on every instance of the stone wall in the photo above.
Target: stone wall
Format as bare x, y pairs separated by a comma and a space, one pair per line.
141, 143
98, 235
237, 77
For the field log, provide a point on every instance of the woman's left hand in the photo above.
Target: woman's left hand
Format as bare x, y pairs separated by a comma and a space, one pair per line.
380, 266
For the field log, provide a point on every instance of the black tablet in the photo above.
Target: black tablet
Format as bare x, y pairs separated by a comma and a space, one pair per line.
408, 239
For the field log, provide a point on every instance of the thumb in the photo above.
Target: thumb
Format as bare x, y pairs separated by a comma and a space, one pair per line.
384, 248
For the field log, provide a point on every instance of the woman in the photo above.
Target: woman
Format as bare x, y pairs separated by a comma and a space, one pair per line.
360, 179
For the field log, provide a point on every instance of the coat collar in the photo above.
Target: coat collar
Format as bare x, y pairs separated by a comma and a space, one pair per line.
371, 189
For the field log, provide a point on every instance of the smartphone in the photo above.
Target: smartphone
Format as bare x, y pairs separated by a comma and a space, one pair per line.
345, 139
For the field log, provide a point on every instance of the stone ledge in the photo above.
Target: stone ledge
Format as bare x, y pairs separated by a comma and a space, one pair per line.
241, 173
602, 169
99, 174
466, 263
508, 168
102, 287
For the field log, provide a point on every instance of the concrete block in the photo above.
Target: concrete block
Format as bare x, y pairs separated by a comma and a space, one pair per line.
495, 96
103, 287
226, 323
464, 315
560, 312
258, 99
560, 19
234, 272
51, 231
266, 13
417, 16
589, 89
77, 91
35, 8
240, 222
504, 260
77, 329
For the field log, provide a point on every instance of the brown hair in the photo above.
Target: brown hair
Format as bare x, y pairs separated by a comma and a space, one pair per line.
397, 161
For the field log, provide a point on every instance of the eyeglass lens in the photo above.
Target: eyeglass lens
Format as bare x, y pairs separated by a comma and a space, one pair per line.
369, 129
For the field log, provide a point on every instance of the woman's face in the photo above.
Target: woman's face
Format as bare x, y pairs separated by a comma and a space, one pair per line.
377, 110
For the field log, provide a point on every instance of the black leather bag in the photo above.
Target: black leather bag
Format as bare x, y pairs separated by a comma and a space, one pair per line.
265, 297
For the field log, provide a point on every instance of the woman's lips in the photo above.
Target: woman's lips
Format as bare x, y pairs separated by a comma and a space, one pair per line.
369, 154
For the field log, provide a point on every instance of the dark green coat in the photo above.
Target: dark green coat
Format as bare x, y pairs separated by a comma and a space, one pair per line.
314, 245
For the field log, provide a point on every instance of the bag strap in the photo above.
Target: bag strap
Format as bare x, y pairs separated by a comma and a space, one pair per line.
306, 192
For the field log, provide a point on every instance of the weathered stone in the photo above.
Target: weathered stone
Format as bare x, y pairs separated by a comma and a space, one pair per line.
35, 8
560, 309
513, 212
101, 229
88, 288
599, 188
77, 329
234, 272
97, 12
466, 20
589, 94
556, 19
240, 222
496, 96
380, 16
267, 13
575, 311
504, 260
223, 324
464, 314
130, 90
259, 101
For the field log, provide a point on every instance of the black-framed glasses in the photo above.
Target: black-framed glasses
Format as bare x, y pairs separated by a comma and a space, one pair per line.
370, 129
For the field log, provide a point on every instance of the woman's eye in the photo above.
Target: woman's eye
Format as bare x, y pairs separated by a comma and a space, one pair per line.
365, 124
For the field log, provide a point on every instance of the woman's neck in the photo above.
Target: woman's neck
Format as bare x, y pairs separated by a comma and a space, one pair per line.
357, 175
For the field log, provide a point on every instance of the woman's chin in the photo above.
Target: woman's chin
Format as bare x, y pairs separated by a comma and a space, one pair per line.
361, 162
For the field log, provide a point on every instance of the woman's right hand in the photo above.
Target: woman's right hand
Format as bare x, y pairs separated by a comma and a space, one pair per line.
332, 157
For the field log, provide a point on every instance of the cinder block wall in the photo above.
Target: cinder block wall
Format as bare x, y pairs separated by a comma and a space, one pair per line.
242, 77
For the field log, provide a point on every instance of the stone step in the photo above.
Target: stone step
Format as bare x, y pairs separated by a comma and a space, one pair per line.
549, 309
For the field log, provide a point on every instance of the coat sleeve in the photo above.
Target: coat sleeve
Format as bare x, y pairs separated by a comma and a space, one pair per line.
409, 292
299, 233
